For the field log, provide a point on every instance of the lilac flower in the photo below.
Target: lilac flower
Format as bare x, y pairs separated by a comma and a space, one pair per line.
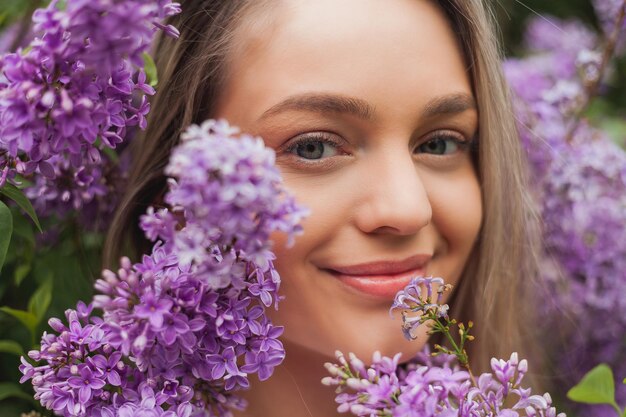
174, 327
223, 363
550, 34
85, 383
77, 89
89, 191
580, 179
154, 309
411, 298
108, 367
433, 386
438, 385
262, 362
242, 198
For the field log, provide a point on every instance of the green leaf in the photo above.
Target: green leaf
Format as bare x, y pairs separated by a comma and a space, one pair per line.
596, 387
23, 228
11, 346
8, 390
6, 230
21, 272
40, 300
15, 194
28, 319
150, 67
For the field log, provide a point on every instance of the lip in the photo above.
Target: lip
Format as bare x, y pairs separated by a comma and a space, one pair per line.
382, 279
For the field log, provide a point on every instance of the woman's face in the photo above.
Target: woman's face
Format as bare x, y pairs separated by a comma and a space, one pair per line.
369, 108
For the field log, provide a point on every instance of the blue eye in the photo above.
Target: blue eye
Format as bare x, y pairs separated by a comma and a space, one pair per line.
441, 145
313, 148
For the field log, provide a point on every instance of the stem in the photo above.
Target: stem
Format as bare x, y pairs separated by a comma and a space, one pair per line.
460, 354
592, 88
456, 348
471, 374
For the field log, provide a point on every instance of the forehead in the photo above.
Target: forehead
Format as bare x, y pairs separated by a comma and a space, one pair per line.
390, 52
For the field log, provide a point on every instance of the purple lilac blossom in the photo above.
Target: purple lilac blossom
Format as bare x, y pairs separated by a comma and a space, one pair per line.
581, 191
550, 34
227, 203
430, 386
74, 91
89, 191
417, 297
179, 335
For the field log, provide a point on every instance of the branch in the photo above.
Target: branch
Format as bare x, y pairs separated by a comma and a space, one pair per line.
592, 88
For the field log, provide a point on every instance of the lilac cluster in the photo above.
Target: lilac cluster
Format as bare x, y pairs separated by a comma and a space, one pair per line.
230, 205
581, 185
182, 330
438, 384
430, 386
88, 192
75, 91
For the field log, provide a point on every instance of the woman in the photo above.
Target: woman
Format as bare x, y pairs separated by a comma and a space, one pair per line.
391, 123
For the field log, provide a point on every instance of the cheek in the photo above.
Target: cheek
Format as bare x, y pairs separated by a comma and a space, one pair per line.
329, 206
457, 215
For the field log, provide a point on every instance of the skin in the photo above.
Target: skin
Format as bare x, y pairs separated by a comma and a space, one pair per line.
382, 191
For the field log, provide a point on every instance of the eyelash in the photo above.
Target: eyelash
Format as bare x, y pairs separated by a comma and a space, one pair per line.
322, 137
461, 143
326, 138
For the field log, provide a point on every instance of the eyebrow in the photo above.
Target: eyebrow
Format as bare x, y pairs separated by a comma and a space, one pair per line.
450, 104
332, 103
323, 103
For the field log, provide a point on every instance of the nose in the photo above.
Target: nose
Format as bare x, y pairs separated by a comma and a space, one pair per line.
394, 197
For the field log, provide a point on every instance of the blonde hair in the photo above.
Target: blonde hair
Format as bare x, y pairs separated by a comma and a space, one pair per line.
191, 72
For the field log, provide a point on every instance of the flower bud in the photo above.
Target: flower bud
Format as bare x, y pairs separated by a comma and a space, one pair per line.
109, 276
371, 374
34, 355
523, 366
341, 358
126, 263
343, 408
48, 98
331, 368
140, 342
356, 363
357, 384
329, 381
358, 409
99, 301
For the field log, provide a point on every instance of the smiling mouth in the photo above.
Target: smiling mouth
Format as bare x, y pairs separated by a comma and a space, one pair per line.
381, 279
